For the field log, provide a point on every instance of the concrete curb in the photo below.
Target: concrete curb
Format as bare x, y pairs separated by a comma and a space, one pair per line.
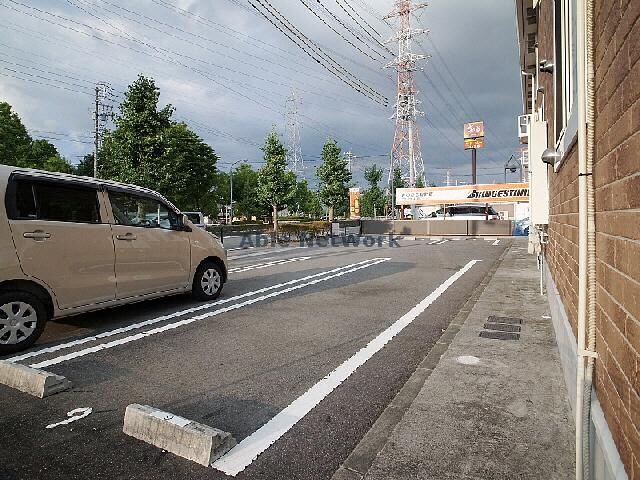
31, 380
362, 457
180, 436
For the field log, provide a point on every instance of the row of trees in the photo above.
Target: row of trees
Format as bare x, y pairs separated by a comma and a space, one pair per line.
148, 147
18, 148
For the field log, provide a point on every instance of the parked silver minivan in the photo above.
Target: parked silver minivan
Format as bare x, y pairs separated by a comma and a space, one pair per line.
72, 244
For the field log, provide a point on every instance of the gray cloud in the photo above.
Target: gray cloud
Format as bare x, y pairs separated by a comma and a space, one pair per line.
238, 85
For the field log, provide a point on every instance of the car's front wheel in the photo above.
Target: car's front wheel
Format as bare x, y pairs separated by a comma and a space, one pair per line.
22, 319
207, 283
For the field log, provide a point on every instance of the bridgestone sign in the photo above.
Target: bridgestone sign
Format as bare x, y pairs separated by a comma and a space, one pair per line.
520, 192
495, 193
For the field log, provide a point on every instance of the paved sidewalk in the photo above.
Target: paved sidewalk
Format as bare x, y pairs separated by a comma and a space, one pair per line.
488, 408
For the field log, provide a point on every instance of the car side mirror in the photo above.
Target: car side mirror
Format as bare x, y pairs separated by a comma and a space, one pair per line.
183, 224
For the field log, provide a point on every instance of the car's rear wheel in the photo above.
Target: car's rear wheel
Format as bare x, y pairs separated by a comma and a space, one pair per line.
207, 282
22, 319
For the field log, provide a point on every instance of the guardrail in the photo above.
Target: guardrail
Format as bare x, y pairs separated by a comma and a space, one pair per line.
470, 228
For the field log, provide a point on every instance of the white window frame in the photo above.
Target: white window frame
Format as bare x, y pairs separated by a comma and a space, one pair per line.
566, 133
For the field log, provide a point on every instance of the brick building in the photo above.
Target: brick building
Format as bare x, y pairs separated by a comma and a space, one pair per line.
554, 45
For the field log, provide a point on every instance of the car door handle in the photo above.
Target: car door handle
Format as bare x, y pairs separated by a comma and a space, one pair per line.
128, 236
37, 235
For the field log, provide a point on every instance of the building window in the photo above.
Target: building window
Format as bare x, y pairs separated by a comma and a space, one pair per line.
565, 73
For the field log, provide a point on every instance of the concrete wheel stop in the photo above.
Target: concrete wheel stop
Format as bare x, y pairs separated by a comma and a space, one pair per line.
31, 380
187, 439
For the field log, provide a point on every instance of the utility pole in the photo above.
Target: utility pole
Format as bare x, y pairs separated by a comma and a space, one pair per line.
406, 152
474, 167
102, 112
292, 128
97, 133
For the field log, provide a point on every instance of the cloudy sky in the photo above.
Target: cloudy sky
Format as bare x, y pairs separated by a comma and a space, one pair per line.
229, 72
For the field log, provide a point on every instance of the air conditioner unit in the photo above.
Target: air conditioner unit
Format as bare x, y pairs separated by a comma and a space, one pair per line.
523, 128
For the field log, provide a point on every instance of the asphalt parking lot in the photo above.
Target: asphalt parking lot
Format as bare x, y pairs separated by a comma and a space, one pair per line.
287, 318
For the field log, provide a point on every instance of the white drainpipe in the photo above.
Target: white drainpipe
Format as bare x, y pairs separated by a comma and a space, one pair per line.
586, 235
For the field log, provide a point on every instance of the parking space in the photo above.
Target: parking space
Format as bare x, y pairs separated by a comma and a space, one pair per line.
289, 318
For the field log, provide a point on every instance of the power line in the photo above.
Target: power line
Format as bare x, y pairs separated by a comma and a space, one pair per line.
308, 7
316, 52
365, 30
317, 91
214, 79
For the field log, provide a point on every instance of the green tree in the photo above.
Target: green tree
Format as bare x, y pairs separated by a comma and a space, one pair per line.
275, 184
132, 151
57, 164
187, 168
372, 200
19, 149
15, 142
398, 181
314, 206
420, 182
149, 149
245, 192
302, 199
334, 178
220, 194
40, 154
84, 167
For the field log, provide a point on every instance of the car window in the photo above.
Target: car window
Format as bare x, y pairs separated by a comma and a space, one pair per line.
194, 217
55, 201
139, 211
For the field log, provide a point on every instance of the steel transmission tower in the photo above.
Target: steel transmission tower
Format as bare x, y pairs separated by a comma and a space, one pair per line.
103, 111
292, 129
406, 152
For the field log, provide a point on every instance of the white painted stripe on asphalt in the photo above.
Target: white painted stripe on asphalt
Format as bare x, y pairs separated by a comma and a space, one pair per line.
434, 242
238, 248
257, 254
152, 321
243, 454
187, 321
443, 241
259, 266
496, 242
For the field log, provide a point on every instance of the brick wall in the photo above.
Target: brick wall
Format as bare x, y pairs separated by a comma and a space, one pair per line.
617, 181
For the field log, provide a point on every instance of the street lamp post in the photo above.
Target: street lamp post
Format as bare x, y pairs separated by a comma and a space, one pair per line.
511, 167
231, 190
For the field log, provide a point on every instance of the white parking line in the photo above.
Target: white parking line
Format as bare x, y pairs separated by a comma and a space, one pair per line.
496, 242
180, 313
269, 251
259, 266
443, 241
434, 242
243, 454
104, 346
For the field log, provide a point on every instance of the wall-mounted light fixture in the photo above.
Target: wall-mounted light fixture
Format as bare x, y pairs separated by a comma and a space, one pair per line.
546, 66
550, 156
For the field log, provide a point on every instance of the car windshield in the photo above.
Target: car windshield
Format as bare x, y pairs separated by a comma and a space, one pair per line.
193, 217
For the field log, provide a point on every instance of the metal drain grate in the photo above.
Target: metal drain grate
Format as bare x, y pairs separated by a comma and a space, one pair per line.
512, 320
500, 335
502, 327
